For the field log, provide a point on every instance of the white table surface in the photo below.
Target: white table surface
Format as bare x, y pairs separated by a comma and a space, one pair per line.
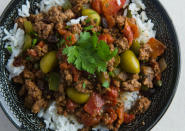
174, 118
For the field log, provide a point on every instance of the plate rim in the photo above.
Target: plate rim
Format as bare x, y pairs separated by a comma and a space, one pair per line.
176, 84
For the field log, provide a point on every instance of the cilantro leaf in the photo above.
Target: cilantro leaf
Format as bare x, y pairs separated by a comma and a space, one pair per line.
88, 28
89, 54
106, 84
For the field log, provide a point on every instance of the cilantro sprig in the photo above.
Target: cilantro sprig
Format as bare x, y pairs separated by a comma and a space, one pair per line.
89, 54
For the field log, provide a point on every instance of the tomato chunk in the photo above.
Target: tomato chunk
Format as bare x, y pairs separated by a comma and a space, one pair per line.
127, 31
94, 104
88, 120
133, 26
69, 38
112, 95
120, 112
158, 47
109, 8
128, 118
107, 38
71, 106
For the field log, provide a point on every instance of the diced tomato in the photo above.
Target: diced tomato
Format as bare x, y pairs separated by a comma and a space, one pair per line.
112, 116
64, 66
127, 31
120, 112
108, 8
96, 5
128, 118
111, 7
41, 44
107, 38
88, 120
133, 26
71, 106
112, 95
158, 47
94, 104
70, 38
32, 52
75, 73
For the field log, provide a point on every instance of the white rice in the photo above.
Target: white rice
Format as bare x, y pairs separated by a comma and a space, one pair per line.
59, 122
145, 25
76, 21
45, 5
129, 99
24, 12
15, 38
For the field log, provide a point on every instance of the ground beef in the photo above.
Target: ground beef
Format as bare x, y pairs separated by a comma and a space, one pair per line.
61, 103
141, 105
78, 5
55, 15
33, 90
122, 76
41, 49
37, 18
28, 74
145, 52
76, 29
38, 105
69, 14
68, 77
134, 76
43, 29
116, 83
110, 64
20, 21
122, 44
80, 86
18, 79
131, 85
39, 74
156, 67
120, 20
148, 76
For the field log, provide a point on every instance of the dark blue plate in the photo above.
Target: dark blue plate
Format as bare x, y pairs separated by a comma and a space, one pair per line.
24, 119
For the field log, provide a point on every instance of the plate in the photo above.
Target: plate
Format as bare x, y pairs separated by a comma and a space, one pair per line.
25, 120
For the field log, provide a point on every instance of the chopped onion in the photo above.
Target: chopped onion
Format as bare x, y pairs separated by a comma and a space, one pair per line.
162, 64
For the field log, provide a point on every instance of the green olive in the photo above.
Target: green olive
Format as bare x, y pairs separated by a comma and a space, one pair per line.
48, 62
27, 42
135, 47
54, 81
28, 27
92, 15
129, 62
76, 96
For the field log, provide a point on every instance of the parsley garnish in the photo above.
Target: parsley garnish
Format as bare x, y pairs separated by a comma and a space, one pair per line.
89, 54
88, 28
106, 84
87, 20
84, 85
